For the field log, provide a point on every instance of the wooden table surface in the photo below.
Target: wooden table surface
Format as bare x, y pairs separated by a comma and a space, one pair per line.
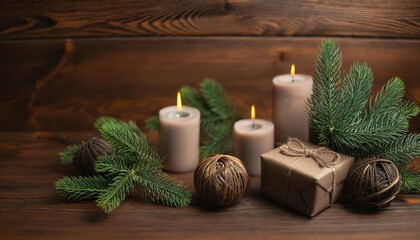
31, 209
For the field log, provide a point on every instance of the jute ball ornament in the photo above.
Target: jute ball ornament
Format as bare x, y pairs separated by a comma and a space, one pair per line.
221, 180
85, 158
373, 183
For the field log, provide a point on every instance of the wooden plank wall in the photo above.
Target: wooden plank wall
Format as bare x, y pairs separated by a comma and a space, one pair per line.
64, 63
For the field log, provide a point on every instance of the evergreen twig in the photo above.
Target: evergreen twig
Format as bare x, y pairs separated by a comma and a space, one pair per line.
134, 162
344, 117
410, 178
78, 188
402, 150
159, 188
126, 138
152, 123
116, 192
67, 155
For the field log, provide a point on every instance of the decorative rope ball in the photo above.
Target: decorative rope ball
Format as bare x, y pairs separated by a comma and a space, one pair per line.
373, 183
221, 179
87, 154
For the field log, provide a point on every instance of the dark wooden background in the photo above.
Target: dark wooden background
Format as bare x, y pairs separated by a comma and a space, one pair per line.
64, 63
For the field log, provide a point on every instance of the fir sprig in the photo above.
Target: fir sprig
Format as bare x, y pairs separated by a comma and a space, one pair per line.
67, 155
410, 179
78, 188
152, 123
217, 116
402, 150
134, 162
344, 117
126, 138
214, 95
158, 187
116, 192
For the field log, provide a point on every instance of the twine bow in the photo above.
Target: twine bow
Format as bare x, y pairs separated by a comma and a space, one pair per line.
303, 152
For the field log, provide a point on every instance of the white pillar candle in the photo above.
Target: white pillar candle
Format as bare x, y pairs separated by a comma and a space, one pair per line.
290, 94
179, 137
252, 137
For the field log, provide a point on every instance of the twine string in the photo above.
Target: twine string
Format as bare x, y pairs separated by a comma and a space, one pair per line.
316, 154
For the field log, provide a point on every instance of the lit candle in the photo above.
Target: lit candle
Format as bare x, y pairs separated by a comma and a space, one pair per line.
252, 137
290, 94
179, 137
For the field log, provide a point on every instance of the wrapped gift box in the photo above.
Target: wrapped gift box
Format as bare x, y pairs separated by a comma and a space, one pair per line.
303, 176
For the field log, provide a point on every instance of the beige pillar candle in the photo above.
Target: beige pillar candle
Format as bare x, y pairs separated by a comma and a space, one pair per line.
290, 94
252, 137
179, 137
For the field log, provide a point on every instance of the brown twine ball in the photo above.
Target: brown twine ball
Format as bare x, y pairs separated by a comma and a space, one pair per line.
373, 183
221, 179
87, 154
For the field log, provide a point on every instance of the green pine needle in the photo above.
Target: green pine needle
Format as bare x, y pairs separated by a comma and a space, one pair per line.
126, 138
192, 97
78, 188
217, 116
214, 95
118, 134
67, 155
217, 138
159, 188
152, 123
355, 90
344, 117
410, 180
116, 192
113, 164
403, 150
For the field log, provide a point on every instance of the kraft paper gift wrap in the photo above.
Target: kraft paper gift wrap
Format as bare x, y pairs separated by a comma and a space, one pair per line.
303, 176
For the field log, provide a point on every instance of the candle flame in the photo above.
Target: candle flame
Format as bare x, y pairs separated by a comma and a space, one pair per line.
178, 102
292, 70
252, 112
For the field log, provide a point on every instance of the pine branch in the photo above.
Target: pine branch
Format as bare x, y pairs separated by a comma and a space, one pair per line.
390, 98
116, 192
118, 134
192, 98
159, 188
126, 138
211, 123
410, 180
113, 165
347, 120
366, 136
327, 77
354, 95
219, 141
210, 120
67, 155
132, 126
77, 188
133, 157
215, 97
403, 150
152, 123
146, 154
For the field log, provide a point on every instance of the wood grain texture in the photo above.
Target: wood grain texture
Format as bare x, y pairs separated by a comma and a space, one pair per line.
361, 18
31, 209
67, 84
